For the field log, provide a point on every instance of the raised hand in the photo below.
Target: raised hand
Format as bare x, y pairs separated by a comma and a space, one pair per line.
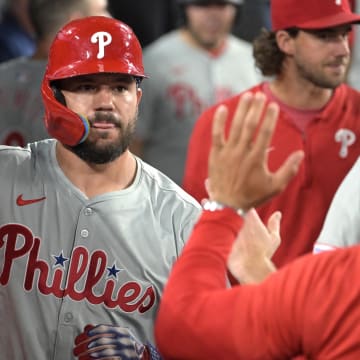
238, 173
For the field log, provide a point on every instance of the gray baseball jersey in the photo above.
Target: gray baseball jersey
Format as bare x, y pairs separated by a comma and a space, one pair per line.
342, 223
20, 101
67, 261
183, 81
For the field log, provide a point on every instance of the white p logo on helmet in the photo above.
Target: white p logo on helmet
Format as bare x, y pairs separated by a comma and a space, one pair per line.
103, 38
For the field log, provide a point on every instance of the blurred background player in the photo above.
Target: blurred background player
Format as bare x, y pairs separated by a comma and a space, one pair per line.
190, 68
17, 33
20, 79
307, 53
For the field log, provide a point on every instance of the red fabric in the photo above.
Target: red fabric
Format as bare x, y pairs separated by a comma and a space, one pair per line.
310, 307
305, 201
286, 14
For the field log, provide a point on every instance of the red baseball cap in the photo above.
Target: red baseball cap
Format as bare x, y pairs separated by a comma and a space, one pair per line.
311, 14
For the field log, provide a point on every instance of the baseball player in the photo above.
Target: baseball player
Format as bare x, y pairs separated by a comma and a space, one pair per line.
307, 54
295, 311
20, 78
88, 231
190, 68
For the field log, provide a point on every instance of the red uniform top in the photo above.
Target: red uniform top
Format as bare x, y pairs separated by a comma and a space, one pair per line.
309, 307
331, 143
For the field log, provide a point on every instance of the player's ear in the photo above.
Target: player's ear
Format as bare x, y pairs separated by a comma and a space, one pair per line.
139, 95
138, 81
285, 42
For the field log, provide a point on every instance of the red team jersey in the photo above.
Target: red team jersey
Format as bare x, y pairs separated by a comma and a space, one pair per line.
331, 145
310, 307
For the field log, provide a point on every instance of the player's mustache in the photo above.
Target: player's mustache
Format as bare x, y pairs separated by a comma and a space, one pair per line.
105, 117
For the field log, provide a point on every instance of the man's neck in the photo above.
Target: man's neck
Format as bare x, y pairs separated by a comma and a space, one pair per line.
97, 179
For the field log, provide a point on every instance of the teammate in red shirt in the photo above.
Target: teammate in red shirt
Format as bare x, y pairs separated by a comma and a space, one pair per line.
318, 114
295, 311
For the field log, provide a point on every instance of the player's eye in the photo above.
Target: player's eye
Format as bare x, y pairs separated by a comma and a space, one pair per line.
85, 87
121, 88
330, 34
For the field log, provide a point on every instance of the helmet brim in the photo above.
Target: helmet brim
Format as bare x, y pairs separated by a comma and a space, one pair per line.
95, 67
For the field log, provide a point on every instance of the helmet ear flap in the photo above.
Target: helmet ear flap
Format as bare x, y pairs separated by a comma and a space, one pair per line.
62, 123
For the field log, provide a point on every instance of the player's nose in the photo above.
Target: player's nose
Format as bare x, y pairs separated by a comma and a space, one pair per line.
104, 98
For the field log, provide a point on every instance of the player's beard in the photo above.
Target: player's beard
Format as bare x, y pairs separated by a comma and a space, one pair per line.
320, 79
91, 152
209, 43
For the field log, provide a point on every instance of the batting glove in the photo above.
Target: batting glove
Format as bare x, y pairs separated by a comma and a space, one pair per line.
119, 343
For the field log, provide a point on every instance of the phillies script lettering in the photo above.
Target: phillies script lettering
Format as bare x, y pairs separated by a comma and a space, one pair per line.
17, 241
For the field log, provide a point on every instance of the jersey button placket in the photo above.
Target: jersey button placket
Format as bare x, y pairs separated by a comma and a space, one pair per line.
68, 317
84, 233
88, 211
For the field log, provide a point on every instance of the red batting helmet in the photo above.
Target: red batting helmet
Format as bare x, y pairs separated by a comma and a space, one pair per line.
84, 46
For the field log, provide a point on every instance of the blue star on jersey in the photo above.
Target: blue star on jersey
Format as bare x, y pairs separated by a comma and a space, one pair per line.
60, 260
113, 271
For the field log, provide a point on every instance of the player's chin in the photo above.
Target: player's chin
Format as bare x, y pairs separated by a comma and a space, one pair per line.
336, 74
336, 82
331, 81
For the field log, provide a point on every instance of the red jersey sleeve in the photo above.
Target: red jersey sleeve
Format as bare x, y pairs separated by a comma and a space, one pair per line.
196, 166
309, 307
